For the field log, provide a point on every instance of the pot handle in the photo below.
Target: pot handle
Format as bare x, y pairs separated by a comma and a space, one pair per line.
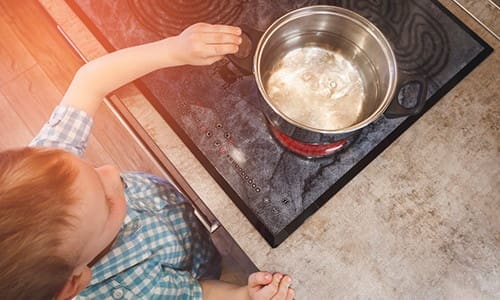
396, 109
245, 64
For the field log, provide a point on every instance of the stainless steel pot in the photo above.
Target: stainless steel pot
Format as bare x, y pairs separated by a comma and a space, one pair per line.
328, 61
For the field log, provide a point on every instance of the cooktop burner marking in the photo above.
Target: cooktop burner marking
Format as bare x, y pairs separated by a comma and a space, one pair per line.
425, 50
167, 18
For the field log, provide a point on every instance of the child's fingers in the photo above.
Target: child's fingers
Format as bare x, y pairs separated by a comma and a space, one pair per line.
222, 49
220, 38
259, 278
271, 289
290, 294
205, 27
225, 29
283, 288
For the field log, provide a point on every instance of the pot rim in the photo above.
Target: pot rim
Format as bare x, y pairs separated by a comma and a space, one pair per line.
310, 11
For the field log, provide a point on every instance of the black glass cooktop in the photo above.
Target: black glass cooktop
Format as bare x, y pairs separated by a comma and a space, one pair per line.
215, 109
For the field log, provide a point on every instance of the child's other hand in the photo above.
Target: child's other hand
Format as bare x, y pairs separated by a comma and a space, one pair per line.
266, 286
204, 44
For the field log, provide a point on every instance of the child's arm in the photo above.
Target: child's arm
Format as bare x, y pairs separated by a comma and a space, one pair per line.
261, 286
199, 44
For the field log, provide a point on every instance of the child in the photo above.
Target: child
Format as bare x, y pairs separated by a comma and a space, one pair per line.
68, 228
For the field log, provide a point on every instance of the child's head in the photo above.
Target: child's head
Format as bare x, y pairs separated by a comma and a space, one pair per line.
57, 213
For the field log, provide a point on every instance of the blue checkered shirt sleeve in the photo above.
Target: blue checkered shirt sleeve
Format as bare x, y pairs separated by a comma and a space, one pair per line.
68, 128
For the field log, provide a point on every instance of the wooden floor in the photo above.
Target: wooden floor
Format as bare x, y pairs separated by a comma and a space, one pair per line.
36, 67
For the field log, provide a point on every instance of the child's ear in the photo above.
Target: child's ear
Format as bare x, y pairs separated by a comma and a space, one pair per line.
75, 284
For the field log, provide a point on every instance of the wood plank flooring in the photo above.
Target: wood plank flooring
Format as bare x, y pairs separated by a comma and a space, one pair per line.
36, 67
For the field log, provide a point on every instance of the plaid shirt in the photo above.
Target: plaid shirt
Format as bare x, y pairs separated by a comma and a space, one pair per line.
161, 250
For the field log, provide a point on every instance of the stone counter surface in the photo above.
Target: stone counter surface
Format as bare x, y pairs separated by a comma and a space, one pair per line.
420, 221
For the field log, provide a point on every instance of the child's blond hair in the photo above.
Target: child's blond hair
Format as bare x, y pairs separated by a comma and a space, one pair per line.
35, 195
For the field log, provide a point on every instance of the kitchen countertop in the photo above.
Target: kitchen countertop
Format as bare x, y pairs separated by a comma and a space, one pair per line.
420, 221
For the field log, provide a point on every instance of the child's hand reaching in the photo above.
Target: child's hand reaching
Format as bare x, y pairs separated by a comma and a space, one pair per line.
204, 44
266, 286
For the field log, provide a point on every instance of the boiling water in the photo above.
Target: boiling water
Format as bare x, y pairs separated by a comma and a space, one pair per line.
317, 88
